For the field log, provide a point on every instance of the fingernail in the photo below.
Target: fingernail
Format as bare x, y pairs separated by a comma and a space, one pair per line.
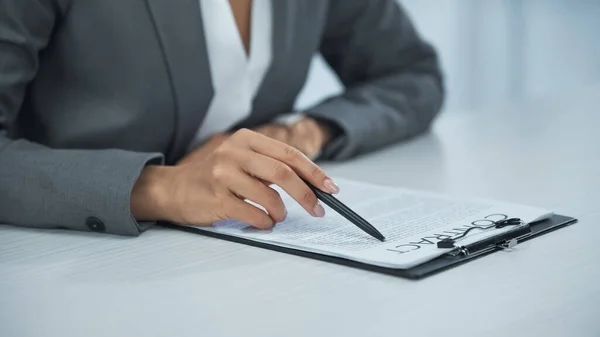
319, 211
331, 186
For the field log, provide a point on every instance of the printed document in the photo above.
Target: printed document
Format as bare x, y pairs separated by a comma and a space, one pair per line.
412, 222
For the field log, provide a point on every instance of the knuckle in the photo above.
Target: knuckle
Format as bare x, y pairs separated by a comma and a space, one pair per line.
291, 154
219, 173
308, 197
243, 133
317, 174
282, 172
222, 152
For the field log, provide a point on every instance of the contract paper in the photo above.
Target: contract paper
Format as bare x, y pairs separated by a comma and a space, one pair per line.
412, 222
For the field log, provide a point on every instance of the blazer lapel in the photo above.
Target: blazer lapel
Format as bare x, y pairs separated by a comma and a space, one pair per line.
284, 21
180, 31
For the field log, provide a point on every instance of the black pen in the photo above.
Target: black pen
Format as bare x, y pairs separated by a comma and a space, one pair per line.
346, 212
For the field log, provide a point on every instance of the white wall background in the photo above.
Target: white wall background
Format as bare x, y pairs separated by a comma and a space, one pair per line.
499, 51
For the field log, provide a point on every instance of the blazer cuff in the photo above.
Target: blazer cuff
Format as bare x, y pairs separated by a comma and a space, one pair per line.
342, 117
151, 159
107, 195
336, 142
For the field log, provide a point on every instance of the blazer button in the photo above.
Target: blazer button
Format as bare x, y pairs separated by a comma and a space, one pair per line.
95, 224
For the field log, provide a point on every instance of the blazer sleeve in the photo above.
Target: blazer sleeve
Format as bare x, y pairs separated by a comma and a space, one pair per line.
393, 82
40, 187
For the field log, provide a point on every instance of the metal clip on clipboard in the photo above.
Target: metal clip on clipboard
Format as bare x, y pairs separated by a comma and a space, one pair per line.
506, 240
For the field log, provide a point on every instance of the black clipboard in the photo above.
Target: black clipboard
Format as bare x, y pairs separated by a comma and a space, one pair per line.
421, 271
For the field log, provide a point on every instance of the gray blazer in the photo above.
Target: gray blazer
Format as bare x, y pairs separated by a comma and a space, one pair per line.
92, 91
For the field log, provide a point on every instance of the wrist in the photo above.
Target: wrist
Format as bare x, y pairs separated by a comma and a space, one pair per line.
149, 201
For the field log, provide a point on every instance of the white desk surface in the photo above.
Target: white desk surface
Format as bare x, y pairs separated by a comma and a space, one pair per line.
65, 284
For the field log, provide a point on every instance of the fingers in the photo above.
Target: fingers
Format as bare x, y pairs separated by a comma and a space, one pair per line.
240, 210
276, 131
290, 156
247, 187
305, 136
276, 172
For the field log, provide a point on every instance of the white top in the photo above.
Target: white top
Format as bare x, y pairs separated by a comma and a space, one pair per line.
236, 75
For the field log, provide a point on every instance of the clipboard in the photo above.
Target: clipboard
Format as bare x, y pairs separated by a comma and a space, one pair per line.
447, 261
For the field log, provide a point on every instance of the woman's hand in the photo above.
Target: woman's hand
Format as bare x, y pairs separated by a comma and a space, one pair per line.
307, 135
211, 183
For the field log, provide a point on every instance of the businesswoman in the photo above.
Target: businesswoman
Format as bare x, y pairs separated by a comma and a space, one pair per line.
117, 114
